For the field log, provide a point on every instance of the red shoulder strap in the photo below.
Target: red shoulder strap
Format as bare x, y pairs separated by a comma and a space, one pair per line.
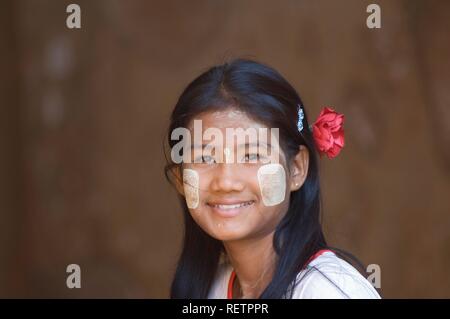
317, 254
230, 285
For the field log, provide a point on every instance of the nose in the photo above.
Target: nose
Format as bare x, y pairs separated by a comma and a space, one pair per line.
227, 179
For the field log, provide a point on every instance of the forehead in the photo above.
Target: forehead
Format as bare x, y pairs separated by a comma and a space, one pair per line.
227, 118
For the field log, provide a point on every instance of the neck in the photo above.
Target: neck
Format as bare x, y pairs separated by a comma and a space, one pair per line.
253, 261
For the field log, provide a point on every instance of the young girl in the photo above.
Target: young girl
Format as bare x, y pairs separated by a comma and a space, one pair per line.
252, 210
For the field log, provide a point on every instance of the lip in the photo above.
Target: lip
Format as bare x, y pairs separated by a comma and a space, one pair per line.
220, 208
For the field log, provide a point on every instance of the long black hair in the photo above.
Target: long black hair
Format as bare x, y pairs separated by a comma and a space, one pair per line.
264, 95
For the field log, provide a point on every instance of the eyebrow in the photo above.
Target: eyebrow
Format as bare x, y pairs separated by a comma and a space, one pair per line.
267, 145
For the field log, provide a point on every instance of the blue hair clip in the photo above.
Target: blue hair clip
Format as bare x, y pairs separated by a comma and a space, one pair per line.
301, 116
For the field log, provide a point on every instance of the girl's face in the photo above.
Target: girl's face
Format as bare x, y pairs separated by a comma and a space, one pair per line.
233, 198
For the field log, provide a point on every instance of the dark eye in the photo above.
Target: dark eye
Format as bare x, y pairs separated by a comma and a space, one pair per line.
254, 157
208, 159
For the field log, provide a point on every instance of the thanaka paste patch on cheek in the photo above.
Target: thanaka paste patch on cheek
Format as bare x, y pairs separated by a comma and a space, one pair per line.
272, 183
190, 185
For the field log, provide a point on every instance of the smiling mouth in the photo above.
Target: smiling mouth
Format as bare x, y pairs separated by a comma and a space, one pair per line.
230, 210
232, 206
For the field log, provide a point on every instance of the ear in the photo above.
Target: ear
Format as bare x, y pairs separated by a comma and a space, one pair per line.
176, 172
299, 168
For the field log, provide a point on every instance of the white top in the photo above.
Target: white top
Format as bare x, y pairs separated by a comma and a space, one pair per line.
325, 277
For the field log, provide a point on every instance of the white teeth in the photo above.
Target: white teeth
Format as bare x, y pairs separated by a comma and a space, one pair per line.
234, 206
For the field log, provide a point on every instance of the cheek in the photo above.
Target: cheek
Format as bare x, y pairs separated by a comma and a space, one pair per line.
191, 186
272, 184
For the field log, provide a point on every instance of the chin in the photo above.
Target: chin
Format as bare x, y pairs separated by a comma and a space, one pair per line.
228, 234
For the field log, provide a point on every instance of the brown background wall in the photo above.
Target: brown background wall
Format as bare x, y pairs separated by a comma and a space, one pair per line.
84, 113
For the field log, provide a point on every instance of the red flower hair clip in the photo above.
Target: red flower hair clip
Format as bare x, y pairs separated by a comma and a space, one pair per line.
327, 130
